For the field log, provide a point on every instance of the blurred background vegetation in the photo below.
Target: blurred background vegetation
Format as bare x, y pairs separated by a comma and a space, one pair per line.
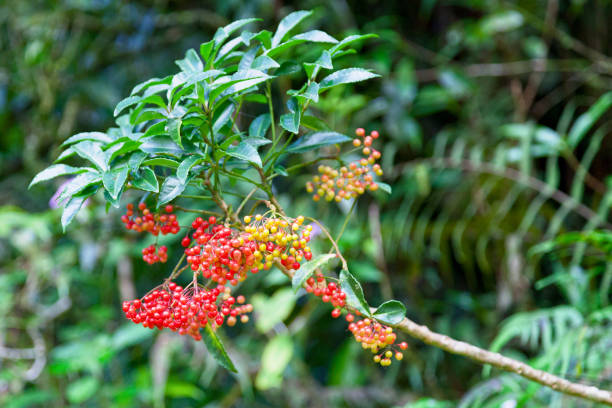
496, 127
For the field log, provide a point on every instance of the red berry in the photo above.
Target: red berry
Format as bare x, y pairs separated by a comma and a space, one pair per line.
169, 208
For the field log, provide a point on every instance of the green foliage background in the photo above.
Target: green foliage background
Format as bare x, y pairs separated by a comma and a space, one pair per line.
496, 127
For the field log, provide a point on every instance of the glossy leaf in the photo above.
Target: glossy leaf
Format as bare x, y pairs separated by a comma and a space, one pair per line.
191, 63
114, 180
160, 144
256, 141
125, 103
291, 121
162, 161
316, 36
586, 121
286, 24
307, 269
316, 140
171, 188
348, 41
264, 62
54, 171
186, 165
216, 349
92, 152
391, 312
354, 293
346, 76
145, 180
260, 125
245, 151
94, 136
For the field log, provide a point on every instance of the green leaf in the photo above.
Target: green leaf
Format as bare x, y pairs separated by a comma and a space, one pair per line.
191, 63
272, 310
260, 125
264, 37
264, 62
206, 48
346, 76
306, 270
312, 92
145, 180
223, 33
316, 36
384, 187
391, 312
171, 188
316, 140
216, 349
245, 151
500, 22
79, 183
274, 359
586, 121
127, 102
71, 209
114, 180
161, 144
256, 141
151, 83
136, 160
286, 24
246, 62
95, 136
291, 121
313, 123
354, 293
92, 152
162, 161
183, 169
173, 127
82, 389
54, 171
349, 40
223, 118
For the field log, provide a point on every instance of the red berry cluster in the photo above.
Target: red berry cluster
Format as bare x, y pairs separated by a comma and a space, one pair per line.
150, 222
329, 292
352, 181
220, 253
187, 310
152, 254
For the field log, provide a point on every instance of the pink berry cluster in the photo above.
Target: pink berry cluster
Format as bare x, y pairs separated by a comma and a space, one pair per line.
349, 182
187, 310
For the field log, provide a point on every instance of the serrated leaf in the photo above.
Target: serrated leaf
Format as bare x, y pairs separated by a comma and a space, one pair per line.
245, 151
391, 312
206, 48
136, 160
216, 349
92, 152
71, 209
346, 76
264, 62
291, 121
286, 24
145, 180
313, 123
171, 188
260, 125
354, 293
125, 103
94, 136
586, 121
114, 180
307, 269
317, 36
316, 140
223, 118
349, 40
256, 141
173, 127
162, 161
54, 171
191, 63
183, 169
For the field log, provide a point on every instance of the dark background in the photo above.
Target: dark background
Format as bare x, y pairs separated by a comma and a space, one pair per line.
454, 241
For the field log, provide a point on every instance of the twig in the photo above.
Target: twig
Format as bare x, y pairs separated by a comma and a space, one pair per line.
326, 232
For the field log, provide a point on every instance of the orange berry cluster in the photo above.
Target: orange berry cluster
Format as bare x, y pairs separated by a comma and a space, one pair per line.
150, 222
349, 182
377, 337
329, 292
